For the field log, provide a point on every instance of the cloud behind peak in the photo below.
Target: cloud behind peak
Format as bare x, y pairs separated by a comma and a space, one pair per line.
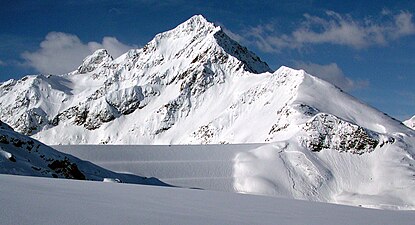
61, 52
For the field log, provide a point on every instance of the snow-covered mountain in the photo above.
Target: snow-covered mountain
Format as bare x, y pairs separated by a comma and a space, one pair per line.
22, 155
192, 84
158, 87
195, 85
410, 122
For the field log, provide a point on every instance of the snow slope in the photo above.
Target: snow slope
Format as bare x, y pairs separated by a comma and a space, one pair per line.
381, 179
21, 155
207, 167
410, 122
55, 201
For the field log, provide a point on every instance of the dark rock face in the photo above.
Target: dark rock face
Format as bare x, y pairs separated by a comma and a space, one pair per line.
31, 121
326, 131
246, 57
66, 169
41, 159
103, 108
205, 133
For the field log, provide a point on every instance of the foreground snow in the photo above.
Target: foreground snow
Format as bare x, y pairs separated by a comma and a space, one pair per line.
30, 200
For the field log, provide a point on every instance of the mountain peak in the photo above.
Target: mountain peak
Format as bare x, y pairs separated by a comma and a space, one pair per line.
95, 60
196, 25
197, 21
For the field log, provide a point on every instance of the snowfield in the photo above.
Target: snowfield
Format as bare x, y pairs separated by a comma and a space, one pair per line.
30, 200
197, 166
381, 179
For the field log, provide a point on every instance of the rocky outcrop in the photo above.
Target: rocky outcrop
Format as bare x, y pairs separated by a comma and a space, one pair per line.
100, 58
22, 155
36, 157
326, 131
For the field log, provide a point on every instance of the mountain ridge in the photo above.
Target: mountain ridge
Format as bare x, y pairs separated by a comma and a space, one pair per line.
167, 80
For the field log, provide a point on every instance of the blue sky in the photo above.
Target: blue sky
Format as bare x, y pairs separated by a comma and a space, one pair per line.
366, 48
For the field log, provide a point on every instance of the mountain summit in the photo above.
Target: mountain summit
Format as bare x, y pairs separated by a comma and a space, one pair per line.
99, 58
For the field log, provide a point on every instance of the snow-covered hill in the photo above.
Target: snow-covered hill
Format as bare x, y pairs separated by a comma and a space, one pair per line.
195, 85
410, 122
21, 155
55, 201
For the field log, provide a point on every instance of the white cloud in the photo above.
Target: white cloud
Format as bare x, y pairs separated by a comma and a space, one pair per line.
61, 52
333, 74
336, 29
